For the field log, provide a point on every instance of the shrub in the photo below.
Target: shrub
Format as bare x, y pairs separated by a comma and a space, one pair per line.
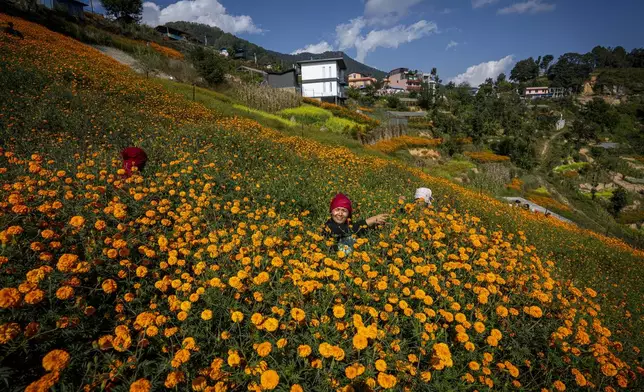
420, 123
342, 125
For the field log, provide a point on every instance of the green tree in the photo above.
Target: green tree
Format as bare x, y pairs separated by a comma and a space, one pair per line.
525, 70
210, 65
393, 102
545, 62
571, 70
128, 11
618, 201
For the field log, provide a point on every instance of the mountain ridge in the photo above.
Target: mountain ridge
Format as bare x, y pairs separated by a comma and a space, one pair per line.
215, 37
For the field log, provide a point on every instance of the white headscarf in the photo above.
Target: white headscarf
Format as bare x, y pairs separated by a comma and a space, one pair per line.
425, 194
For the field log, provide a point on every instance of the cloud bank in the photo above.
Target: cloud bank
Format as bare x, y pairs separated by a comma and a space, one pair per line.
209, 12
476, 74
320, 47
529, 7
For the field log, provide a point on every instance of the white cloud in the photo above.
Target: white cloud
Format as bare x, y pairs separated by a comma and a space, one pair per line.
209, 12
530, 6
348, 33
393, 37
476, 74
387, 11
320, 47
482, 3
451, 44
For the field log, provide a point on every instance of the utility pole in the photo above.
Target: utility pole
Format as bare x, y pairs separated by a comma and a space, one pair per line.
91, 3
205, 38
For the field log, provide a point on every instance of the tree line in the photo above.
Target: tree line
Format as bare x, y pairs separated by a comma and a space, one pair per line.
571, 69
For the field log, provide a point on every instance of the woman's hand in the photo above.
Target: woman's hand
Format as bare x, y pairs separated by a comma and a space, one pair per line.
377, 219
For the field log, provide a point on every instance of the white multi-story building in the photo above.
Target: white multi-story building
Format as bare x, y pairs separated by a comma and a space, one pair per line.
323, 79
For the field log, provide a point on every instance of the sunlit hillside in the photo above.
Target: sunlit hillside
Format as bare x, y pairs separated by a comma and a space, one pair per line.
209, 272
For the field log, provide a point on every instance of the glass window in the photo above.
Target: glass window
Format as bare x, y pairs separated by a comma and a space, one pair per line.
324, 87
323, 72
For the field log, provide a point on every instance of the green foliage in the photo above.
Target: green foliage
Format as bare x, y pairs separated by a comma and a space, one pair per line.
307, 114
629, 79
210, 65
525, 70
571, 71
393, 102
342, 125
266, 98
265, 114
618, 201
127, 11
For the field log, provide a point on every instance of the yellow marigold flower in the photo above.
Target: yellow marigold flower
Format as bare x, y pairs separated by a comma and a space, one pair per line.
354, 371
441, 356
338, 311
263, 349
304, 350
473, 365
237, 316
9, 297
281, 343
381, 365
271, 324
65, 292
180, 357
386, 381
426, 376
55, 360
206, 314
109, 286
502, 311
298, 314
140, 385
77, 221
360, 342
141, 271
269, 379
296, 388
199, 383
559, 386
233, 358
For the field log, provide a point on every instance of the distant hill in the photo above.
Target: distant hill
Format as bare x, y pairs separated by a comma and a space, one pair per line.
217, 38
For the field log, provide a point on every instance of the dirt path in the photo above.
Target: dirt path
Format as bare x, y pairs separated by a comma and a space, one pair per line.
546, 145
126, 59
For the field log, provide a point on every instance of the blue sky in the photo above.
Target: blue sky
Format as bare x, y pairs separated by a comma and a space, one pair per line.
467, 40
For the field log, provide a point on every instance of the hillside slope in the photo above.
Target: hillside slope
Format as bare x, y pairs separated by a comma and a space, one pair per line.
209, 269
219, 39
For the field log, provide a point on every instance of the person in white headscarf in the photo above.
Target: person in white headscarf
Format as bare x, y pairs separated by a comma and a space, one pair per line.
424, 194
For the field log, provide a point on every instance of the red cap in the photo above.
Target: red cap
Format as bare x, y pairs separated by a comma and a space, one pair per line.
341, 200
133, 156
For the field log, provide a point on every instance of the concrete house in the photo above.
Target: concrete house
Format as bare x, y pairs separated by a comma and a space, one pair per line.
543, 92
360, 81
402, 79
323, 79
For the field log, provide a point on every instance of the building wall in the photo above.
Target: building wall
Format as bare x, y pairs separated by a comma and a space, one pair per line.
321, 89
397, 80
324, 70
282, 81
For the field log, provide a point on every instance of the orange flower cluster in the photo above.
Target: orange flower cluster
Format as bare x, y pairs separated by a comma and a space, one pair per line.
207, 271
486, 156
548, 202
168, 52
398, 143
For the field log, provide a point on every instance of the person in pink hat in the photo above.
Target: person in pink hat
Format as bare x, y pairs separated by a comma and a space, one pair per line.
342, 228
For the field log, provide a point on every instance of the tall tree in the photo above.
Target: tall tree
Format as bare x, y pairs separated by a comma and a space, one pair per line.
618, 201
545, 62
128, 11
570, 71
525, 70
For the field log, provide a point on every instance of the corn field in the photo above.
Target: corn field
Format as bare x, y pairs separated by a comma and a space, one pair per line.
267, 98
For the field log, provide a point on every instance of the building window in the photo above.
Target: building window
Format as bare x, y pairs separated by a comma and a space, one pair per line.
324, 87
323, 72
330, 87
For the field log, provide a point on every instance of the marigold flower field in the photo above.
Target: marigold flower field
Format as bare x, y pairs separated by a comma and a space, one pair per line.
208, 271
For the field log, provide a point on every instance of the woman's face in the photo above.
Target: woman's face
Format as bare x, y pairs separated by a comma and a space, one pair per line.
339, 215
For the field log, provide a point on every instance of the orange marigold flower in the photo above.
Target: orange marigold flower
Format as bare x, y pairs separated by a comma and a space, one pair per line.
65, 292
34, 297
263, 349
140, 385
338, 311
9, 297
55, 360
386, 381
360, 342
174, 378
109, 286
77, 221
559, 386
237, 316
206, 314
304, 350
298, 314
8, 332
269, 379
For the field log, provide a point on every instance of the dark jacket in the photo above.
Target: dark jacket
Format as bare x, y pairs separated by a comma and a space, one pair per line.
344, 232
